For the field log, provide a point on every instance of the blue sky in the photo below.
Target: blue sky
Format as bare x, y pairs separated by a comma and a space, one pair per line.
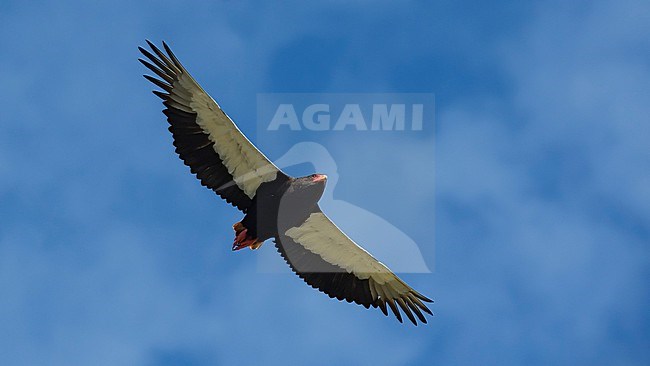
111, 253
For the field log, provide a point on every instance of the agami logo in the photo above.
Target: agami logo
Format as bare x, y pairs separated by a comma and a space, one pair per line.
351, 117
345, 112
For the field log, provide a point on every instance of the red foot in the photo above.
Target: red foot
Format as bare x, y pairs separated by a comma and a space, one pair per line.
242, 240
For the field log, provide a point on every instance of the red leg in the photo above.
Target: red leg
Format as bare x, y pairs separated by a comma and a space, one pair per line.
242, 239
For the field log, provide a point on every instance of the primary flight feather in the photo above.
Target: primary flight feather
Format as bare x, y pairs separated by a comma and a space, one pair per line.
276, 205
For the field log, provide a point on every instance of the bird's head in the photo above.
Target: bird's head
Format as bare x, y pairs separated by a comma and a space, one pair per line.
318, 178
314, 182
311, 187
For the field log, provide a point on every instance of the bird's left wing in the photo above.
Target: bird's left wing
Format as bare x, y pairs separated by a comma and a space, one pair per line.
206, 139
328, 260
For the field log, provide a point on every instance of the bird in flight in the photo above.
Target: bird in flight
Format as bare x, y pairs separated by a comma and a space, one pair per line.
275, 205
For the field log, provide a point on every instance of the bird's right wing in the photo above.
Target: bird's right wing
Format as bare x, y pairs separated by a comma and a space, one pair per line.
328, 260
206, 139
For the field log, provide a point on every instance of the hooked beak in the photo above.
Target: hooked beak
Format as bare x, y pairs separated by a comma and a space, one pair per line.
320, 178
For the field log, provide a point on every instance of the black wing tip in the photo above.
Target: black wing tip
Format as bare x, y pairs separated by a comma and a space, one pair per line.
426, 310
173, 57
143, 50
167, 49
422, 297
382, 306
150, 66
410, 305
151, 78
406, 310
396, 312
151, 45
160, 94
167, 57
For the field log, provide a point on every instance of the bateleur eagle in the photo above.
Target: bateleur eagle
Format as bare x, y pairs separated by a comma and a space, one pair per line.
276, 206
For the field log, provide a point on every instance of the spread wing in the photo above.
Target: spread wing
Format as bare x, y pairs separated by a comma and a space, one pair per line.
206, 139
328, 260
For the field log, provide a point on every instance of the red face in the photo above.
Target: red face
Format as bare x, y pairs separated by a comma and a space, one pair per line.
318, 177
